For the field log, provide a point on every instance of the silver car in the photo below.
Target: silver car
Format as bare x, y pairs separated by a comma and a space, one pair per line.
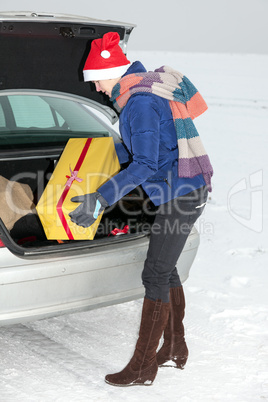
43, 103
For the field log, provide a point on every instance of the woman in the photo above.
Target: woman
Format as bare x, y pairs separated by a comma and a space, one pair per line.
166, 158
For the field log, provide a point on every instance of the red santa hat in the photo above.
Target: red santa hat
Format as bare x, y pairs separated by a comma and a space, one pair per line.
106, 59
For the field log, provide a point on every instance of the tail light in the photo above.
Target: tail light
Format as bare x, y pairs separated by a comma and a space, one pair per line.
1, 244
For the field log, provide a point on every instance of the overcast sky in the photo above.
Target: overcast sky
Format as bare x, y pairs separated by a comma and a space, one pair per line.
232, 26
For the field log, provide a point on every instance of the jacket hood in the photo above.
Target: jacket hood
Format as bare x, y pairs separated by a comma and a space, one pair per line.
136, 67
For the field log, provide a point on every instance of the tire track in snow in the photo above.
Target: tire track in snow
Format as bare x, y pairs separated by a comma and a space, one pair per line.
51, 351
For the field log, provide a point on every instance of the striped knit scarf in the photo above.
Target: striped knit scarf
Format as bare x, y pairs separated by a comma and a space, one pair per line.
185, 102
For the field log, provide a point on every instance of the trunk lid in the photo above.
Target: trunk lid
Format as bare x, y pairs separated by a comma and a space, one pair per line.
42, 51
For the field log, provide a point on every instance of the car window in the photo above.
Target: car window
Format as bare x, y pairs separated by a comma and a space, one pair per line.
31, 111
35, 119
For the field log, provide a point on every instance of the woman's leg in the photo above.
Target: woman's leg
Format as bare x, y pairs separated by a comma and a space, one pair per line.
174, 347
163, 252
171, 228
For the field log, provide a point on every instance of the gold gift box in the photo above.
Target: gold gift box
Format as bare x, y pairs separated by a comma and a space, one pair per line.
85, 164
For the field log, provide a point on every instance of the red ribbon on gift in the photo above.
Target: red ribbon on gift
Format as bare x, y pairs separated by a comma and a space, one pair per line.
117, 231
68, 186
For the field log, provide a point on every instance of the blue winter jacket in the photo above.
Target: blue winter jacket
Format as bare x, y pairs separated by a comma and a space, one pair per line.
150, 147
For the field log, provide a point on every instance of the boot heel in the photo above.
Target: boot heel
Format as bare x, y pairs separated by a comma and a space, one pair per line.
148, 375
179, 363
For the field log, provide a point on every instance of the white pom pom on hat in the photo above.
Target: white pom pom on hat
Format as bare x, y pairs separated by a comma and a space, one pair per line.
105, 54
106, 59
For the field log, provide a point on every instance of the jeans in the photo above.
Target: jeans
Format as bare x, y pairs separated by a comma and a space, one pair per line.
172, 225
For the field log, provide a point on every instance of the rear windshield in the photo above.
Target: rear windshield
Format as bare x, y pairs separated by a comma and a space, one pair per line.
36, 119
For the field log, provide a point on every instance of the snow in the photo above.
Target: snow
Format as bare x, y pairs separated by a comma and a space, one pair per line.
66, 358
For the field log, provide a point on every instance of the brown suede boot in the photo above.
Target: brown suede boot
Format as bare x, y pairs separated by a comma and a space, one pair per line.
174, 347
142, 368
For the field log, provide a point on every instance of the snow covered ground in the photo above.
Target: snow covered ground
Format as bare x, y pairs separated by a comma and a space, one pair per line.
65, 359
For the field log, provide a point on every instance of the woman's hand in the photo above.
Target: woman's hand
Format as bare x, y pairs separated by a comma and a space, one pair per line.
90, 208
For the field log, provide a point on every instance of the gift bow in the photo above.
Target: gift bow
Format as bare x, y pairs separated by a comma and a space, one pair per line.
72, 177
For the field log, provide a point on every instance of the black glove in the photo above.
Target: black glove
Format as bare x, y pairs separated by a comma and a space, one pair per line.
90, 208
